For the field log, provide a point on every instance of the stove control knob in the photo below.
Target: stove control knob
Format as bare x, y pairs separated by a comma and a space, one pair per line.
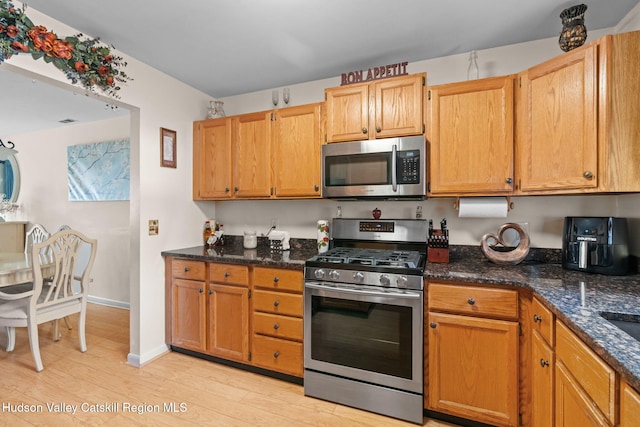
384, 280
358, 277
333, 274
401, 281
319, 273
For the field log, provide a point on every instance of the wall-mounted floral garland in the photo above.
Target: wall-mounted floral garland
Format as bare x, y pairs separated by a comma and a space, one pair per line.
83, 60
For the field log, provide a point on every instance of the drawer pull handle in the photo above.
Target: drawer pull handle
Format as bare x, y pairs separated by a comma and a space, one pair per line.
276, 303
186, 269
276, 354
471, 301
276, 280
227, 274
276, 326
433, 324
537, 318
544, 363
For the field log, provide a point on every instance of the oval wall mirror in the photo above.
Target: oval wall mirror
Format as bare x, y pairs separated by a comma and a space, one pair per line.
9, 178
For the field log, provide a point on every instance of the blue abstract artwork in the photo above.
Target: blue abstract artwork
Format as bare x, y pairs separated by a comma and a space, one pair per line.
99, 171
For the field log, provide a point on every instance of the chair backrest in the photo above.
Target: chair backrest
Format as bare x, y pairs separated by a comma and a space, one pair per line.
55, 260
36, 234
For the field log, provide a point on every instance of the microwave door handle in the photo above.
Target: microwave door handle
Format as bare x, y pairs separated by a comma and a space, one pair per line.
394, 168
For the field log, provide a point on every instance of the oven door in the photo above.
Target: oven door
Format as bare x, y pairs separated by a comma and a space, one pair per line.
366, 333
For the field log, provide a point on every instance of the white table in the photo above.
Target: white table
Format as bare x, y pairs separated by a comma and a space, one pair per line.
15, 267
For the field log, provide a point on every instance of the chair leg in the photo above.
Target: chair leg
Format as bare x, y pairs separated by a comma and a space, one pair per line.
56, 332
81, 321
11, 338
34, 343
66, 322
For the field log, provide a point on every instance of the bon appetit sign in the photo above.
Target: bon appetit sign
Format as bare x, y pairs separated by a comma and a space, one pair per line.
375, 73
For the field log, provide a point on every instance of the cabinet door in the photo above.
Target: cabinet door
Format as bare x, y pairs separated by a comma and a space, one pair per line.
228, 322
296, 151
471, 137
557, 146
212, 159
189, 317
398, 107
252, 155
542, 378
347, 113
629, 406
574, 408
473, 368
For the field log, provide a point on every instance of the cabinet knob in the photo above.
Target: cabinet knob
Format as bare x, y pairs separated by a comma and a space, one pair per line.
235, 189
200, 290
588, 174
227, 274
433, 325
227, 189
276, 326
316, 187
364, 130
509, 180
276, 303
544, 363
186, 269
210, 292
276, 280
276, 354
471, 301
378, 129
537, 318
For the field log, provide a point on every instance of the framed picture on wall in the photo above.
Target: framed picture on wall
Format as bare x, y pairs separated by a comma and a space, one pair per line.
167, 148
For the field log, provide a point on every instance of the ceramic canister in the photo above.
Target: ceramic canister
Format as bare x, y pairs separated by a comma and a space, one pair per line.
323, 236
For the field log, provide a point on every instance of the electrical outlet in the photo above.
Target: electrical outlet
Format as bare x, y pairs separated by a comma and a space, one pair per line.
275, 224
153, 227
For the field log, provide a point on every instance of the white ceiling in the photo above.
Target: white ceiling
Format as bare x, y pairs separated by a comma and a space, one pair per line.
230, 47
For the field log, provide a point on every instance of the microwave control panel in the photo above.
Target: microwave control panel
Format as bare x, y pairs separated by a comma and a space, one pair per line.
408, 167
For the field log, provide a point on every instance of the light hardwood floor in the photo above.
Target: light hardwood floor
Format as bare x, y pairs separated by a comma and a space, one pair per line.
108, 391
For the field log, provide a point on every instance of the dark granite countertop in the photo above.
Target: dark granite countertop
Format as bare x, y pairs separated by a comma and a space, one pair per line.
575, 298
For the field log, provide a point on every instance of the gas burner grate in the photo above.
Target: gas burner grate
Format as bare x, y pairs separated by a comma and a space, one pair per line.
372, 257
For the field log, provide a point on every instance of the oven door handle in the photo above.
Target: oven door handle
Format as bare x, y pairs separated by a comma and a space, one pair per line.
372, 293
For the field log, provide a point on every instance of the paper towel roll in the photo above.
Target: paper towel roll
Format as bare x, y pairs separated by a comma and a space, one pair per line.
483, 207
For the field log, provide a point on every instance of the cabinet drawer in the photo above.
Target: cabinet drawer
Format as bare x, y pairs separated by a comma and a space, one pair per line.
278, 355
543, 321
595, 377
229, 274
473, 300
183, 269
278, 326
278, 278
277, 303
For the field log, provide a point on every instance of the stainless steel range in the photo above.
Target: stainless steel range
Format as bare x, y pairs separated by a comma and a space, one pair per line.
363, 317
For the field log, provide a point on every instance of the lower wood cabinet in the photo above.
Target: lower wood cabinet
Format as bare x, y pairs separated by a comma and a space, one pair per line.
242, 313
542, 365
473, 353
629, 406
277, 320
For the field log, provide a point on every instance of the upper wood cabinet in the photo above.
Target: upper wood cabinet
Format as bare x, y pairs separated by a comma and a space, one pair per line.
380, 109
252, 155
578, 122
470, 132
297, 138
212, 174
259, 155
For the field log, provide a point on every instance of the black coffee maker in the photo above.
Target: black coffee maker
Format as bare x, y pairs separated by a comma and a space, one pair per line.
596, 245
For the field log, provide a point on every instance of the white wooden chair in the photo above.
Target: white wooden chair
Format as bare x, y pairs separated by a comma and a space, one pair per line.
36, 234
52, 295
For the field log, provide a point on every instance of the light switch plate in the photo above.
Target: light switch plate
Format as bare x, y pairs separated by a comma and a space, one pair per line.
153, 227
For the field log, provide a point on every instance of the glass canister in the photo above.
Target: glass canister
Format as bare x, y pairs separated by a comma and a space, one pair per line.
250, 240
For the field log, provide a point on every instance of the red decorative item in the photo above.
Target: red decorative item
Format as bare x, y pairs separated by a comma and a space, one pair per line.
376, 213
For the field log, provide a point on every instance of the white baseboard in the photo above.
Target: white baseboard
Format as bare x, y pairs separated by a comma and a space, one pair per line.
140, 360
109, 302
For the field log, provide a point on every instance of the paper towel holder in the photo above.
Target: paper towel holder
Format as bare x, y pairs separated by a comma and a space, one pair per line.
510, 204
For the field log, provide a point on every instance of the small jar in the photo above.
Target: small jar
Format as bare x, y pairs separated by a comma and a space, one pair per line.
250, 240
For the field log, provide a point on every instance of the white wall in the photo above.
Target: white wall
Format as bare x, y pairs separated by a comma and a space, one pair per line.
43, 199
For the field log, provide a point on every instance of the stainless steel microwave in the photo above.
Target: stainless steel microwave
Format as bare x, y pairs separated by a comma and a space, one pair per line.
391, 168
